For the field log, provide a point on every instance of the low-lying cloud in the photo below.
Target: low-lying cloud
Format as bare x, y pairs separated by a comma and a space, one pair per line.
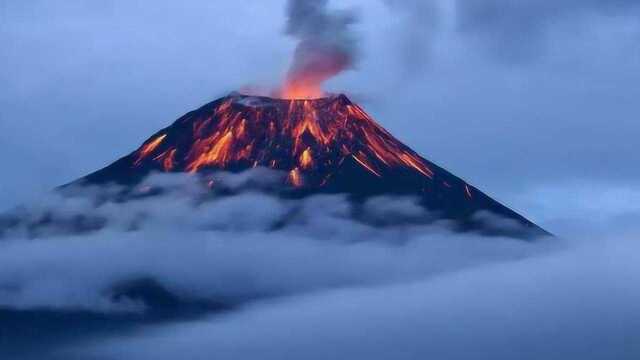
577, 304
304, 279
74, 253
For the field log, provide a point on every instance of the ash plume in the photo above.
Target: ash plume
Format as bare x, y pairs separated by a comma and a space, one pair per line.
326, 45
421, 22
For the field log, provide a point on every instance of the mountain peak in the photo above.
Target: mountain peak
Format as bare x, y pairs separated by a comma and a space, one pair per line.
328, 144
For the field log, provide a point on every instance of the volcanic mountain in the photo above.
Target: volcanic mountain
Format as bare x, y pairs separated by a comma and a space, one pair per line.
324, 145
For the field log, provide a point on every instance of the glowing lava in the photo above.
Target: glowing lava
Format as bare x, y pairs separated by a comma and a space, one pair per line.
149, 147
313, 64
309, 139
301, 90
292, 135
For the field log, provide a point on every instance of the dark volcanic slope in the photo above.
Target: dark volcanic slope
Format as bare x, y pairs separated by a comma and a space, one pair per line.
325, 145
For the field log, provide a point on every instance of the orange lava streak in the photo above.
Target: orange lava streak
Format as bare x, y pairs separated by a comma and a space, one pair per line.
218, 154
356, 112
379, 149
149, 147
241, 129
388, 154
307, 138
416, 164
295, 178
308, 124
167, 159
224, 106
365, 163
306, 161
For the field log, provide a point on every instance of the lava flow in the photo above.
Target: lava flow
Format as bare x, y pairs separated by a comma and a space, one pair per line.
309, 139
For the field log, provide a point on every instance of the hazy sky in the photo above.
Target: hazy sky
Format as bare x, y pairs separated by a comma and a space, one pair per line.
535, 102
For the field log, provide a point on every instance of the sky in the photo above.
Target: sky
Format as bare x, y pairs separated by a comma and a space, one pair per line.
517, 98
532, 101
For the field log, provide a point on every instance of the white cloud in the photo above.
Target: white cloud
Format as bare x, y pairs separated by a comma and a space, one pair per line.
226, 249
579, 303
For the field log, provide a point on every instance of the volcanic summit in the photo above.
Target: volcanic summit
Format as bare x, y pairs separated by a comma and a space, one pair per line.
324, 145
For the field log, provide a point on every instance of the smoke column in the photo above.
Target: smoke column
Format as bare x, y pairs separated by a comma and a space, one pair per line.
325, 47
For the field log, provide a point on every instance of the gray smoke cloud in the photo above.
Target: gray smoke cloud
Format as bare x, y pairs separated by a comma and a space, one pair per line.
515, 32
519, 32
420, 24
326, 44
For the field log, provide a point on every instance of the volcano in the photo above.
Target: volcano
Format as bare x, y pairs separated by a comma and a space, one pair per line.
324, 145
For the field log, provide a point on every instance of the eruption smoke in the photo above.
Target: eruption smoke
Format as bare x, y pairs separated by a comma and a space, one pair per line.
325, 47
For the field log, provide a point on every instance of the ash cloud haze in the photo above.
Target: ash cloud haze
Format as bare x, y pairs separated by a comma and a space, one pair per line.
419, 26
519, 31
326, 45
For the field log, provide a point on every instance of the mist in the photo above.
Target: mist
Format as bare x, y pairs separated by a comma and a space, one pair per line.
323, 285
578, 303
75, 252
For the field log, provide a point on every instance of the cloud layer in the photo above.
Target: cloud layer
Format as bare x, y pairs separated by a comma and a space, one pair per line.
224, 250
318, 284
581, 303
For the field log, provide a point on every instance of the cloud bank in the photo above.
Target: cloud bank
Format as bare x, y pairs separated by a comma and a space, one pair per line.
75, 253
580, 303
301, 278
